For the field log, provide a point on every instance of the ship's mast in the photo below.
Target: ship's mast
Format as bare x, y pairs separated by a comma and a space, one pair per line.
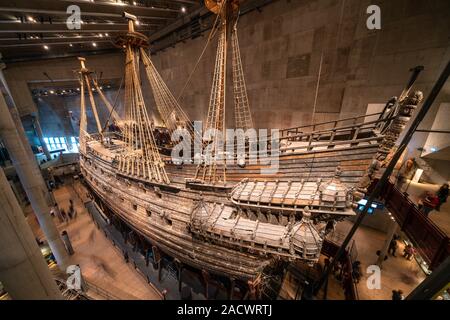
213, 169
140, 156
86, 82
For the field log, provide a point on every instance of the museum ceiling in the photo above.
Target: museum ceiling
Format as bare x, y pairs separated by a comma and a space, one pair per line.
39, 28
32, 29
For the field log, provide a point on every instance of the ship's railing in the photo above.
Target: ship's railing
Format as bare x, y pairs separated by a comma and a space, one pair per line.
336, 134
338, 137
328, 125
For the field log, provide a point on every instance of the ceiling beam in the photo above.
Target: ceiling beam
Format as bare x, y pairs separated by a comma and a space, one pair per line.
62, 28
193, 2
58, 55
83, 13
96, 40
124, 6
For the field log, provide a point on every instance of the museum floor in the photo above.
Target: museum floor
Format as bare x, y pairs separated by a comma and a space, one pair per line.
101, 263
103, 266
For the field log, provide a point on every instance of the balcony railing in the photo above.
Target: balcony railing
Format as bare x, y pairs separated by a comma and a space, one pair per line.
432, 244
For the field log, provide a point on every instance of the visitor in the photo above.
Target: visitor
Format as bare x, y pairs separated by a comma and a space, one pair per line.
378, 254
356, 271
63, 215
428, 203
409, 252
442, 195
405, 173
393, 245
397, 295
71, 209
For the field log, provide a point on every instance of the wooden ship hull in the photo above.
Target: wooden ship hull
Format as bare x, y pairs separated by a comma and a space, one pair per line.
147, 208
231, 220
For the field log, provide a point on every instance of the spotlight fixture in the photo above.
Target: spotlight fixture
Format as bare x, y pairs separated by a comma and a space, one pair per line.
94, 44
52, 92
45, 47
106, 35
134, 2
31, 19
183, 9
71, 45
137, 22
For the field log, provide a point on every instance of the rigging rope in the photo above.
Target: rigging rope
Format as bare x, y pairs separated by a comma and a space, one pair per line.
115, 103
211, 35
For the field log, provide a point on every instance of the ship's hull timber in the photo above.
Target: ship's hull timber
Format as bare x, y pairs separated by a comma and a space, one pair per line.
172, 237
163, 216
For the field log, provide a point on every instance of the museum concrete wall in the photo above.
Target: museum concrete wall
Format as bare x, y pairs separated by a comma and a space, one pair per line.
281, 49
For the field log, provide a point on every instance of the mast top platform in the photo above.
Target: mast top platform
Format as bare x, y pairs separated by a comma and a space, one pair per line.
215, 5
133, 38
83, 65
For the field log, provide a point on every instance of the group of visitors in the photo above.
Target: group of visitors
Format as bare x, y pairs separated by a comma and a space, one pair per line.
408, 251
429, 201
433, 201
64, 216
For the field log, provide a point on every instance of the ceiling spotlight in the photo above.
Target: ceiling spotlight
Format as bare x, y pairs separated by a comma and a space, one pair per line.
134, 2
94, 44
71, 45
137, 22
106, 35
78, 89
100, 35
31, 19
183, 9
52, 92
45, 47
